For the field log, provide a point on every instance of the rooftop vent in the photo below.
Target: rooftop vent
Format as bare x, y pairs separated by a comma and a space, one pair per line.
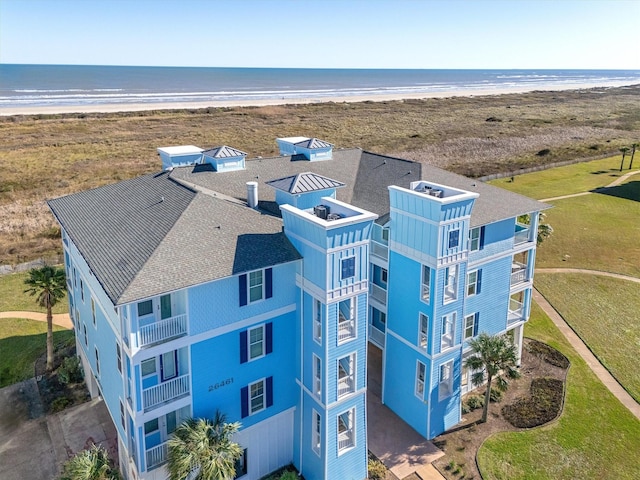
333, 216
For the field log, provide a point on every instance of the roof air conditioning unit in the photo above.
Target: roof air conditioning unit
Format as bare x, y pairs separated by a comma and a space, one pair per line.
333, 216
321, 211
437, 193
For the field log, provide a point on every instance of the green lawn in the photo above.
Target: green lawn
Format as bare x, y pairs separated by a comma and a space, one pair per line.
575, 178
595, 437
13, 298
597, 232
603, 312
21, 343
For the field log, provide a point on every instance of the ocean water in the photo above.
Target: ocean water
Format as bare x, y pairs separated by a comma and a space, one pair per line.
69, 85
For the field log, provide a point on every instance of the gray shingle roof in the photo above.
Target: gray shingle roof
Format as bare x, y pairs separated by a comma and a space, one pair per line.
304, 182
224, 151
313, 143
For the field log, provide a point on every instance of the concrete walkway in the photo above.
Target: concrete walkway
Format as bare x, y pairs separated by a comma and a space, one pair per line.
589, 272
615, 183
594, 364
60, 319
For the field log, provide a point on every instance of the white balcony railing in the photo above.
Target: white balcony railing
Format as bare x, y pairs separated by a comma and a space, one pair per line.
345, 385
156, 455
521, 234
376, 336
346, 329
163, 330
345, 440
516, 310
165, 392
379, 294
518, 273
379, 250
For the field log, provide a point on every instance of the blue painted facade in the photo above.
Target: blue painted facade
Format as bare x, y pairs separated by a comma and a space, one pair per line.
289, 359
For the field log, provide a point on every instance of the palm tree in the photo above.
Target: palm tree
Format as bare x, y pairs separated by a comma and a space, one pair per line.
49, 284
624, 151
201, 449
491, 355
633, 152
92, 464
544, 229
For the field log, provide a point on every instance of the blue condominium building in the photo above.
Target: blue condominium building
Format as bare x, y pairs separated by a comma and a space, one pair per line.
260, 287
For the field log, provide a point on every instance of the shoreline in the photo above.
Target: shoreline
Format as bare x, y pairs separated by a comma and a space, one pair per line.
139, 107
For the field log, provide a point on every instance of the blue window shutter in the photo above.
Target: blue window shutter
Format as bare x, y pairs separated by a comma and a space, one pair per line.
243, 346
242, 279
345, 269
479, 281
476, 320
244, 401
482, 237
352, 267
269, 391
269, 339
268, 281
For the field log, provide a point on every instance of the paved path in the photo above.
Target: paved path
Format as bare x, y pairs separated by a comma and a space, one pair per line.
589, 272
615, 183
60, 319
594, 364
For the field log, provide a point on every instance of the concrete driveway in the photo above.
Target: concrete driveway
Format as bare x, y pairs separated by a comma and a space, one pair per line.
34, 446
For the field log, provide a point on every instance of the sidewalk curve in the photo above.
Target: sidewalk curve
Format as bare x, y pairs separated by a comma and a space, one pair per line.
589, 272
615, 183
60, 319
594, 364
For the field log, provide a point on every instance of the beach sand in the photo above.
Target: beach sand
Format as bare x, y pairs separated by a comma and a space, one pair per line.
137, 107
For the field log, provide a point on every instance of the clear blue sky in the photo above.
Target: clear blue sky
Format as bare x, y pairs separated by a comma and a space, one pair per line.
597, 34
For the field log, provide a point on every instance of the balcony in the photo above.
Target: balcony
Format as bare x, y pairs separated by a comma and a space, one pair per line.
156, 456
346, 329
165, 392
518, 273
379, 250
379, 294
521, 234
376, 336
346, 385
345, 440
516, 311
162, 331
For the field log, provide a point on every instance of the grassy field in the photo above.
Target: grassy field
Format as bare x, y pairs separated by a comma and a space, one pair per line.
21, 343
597, 232
13, 298
596, 437
45, 156
575, 178
603, 312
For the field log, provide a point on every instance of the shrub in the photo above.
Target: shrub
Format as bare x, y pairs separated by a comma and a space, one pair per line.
474, 402
496, 395
92, 463
377, 470
541, 407
70, 371
289, 475
543, 152
60, 404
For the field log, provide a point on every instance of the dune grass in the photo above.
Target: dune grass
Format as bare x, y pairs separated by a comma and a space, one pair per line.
595, 437
13, 298
575, 178
21, 343
603, 312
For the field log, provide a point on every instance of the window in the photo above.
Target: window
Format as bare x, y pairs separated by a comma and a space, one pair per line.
348, 268
346, 319
93, 311
426, 283
420, 374
151, 426
470, 326
472, 282
384, 276
75, 278
317, 376
347, 375
255, 286
84, 329
474, 239
256, 396
241, 465
464, 378
148, 367
454, 238
317, 322
451, 283
97, 361
172, 421
122, 422
385, 234
423, 338
82, 290
119, 357
256, 342
346, 430
316, 421
445, 385
145, 308
448, 330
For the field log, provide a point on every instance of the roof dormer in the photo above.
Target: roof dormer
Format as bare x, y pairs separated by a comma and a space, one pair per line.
224, 158
312, 149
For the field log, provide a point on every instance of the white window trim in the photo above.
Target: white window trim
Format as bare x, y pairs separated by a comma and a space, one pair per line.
119, 357
263, 285
355, 267
449, 238
420, 382
93, 312
316, 437
465, 327
264, 396
476, 239
317, 321
97, 355
353, 309
474, 283
352, 418
456, 278
155, 367
264, 340
425, 298
82, 290
353, 364
445, 336
445, 387
317, 381
423, 335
